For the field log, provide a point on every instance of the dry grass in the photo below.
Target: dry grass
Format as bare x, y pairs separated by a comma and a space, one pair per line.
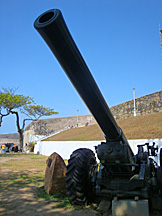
22, 191
91, 132
21, 162
140, 127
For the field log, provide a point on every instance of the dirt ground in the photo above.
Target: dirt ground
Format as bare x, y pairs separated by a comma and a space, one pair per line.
23, 201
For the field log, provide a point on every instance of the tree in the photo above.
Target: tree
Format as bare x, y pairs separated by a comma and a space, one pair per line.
11, 103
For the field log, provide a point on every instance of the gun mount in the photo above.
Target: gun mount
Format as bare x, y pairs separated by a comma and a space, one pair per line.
121, 174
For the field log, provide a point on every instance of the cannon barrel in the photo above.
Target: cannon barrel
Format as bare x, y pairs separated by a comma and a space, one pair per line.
52, 27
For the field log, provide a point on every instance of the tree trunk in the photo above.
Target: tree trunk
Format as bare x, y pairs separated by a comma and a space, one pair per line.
21, 138
2, 115
20, 131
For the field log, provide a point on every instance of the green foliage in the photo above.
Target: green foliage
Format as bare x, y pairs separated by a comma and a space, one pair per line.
10, 101
37, 111
31, 146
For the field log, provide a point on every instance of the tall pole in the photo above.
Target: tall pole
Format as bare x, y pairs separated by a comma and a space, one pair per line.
160, 32
134, 101
77, 117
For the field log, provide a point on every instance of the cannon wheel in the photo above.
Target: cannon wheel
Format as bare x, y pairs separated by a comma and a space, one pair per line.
81, 167
160, 157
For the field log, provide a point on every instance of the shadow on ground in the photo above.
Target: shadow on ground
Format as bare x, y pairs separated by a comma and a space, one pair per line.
19, 196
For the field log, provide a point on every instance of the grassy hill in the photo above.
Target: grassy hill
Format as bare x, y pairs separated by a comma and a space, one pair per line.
139, 127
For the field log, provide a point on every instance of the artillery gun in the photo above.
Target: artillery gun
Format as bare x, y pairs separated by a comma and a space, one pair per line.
122, 175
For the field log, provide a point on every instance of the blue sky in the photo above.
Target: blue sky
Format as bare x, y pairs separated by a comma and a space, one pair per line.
119, 40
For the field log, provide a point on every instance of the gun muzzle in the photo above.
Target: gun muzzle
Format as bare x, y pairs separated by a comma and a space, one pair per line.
53, 29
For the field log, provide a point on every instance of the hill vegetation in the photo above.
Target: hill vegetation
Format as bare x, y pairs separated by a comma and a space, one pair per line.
140, 127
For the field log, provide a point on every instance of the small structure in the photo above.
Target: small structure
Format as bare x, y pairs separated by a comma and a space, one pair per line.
54, 181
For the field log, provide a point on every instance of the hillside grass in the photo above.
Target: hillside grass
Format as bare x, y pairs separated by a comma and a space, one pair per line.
140, 127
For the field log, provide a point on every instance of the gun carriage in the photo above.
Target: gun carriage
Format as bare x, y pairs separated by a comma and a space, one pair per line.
121, 173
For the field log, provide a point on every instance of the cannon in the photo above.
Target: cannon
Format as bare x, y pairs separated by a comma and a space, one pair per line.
121, 175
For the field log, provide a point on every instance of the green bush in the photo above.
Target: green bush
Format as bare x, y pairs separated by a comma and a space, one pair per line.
31, 146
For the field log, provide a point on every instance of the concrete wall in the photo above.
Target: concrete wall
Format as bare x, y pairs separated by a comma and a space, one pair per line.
9, 138
53, 125
65, 148
147, 104
27, 135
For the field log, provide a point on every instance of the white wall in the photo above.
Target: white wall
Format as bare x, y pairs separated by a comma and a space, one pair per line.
65, 148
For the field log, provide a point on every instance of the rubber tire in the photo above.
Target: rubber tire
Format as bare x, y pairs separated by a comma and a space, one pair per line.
81, 167
160, 157
159, 172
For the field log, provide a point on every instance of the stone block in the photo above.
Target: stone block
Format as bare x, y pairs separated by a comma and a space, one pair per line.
130, 208
54, 181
